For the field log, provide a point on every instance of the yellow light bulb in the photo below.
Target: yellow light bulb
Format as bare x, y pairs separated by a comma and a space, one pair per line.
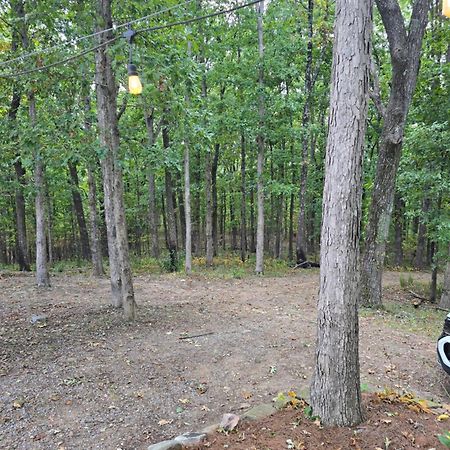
446, 8
134, 85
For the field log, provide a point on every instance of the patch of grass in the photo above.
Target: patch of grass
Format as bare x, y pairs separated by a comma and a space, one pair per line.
425, 321
70, 266
230, 266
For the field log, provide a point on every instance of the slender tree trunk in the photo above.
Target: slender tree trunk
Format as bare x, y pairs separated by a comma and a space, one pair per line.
215, 164
252, 221
234, 230
170, 209
243, 202
96, 249
152, 204
259, 269
121, 276
335, 390
187, 180
398, 222
196, 205
405, 46
79, 212
95, 235
42, 275
301, 246
419, 260
209, 210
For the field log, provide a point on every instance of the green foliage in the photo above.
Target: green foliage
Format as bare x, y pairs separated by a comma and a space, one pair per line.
444, 439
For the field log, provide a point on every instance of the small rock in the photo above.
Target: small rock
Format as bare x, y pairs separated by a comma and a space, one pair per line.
166, 445
229, 422
244, 406
190, 439
37, 319
260, 411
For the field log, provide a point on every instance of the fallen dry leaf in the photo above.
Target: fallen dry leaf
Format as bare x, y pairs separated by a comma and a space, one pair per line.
163, 422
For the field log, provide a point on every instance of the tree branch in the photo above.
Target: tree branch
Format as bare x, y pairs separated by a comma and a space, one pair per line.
394, 24
375, 93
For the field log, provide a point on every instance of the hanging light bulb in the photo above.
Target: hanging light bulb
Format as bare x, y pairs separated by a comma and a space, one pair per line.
446, 8
134, 83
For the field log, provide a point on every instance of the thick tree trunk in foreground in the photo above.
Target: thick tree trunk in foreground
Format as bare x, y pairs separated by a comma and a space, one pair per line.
259, 269
335, 389
405, 46
79, 212
121, 277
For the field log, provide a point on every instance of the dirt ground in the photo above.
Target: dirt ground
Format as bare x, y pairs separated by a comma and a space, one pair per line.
85, 379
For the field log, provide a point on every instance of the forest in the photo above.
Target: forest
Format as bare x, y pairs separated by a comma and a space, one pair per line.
203, 138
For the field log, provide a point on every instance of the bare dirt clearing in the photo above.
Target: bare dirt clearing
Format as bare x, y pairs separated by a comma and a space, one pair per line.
88, 380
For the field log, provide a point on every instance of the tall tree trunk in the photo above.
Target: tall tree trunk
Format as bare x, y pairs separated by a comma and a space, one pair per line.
42, 275
187, 182
243, 202
252, 221
405, 46
234, 230
209, 210
259, 269
152, 204
170, 209
95, 235
106, 89
301, 247
419, 260
335, 389
215, 164
196, 205
398, 222
291, 213
21, 230
96, 248
79, 212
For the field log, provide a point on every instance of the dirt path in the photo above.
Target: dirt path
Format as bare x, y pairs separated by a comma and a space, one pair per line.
87, 380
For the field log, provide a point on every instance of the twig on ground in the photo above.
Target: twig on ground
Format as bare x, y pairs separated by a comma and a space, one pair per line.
196, 335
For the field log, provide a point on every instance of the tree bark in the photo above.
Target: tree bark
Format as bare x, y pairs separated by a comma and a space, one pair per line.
419, 260
243, 202
215, 164
79, 212
187, 181
404, 47
259, 269
398, 223
96, 248
106, 89
301, 245
209, 210
170, 209
335, 390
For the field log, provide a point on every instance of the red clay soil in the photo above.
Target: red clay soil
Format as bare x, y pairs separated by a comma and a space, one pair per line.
387, 426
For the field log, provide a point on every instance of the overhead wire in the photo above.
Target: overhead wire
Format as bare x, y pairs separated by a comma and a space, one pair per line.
97, 33
144, 30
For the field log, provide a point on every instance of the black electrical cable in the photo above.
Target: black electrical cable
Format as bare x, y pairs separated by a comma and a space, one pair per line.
144, 30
